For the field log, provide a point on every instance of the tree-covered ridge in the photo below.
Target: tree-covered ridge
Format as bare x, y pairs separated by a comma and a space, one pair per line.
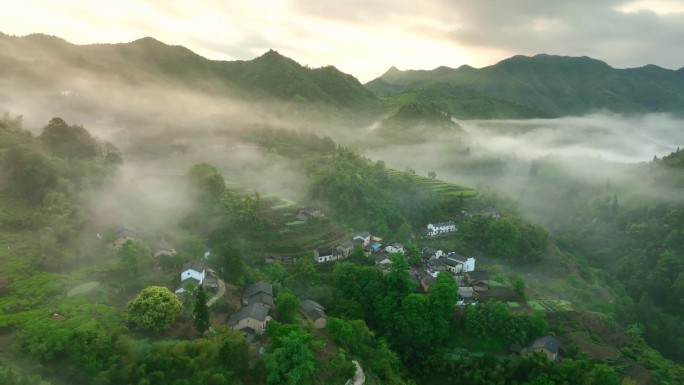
465, 103
557, 85
149, 61
366, 194
415, 123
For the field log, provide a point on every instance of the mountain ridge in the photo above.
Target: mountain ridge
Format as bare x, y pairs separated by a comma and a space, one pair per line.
556, 85
518, 87
32, 59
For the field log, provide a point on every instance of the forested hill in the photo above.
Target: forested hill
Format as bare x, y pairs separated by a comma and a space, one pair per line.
43, 61
554, 85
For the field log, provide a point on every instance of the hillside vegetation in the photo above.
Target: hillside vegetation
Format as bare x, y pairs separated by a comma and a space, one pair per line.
553, 85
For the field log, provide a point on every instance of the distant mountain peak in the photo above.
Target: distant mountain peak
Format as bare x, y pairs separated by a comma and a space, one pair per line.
392, 71
147, 40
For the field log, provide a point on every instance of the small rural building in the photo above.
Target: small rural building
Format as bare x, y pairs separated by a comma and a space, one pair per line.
365, 237
548, 345
346, 248
251, 319
314, 312
425, 277
260, 292
122, 234
466, 292
210, 283
312, 211
478, 279
193, 272
383, 258
429, 254
282, 259
163, 249
442, 228
395, 247
453, 265
323, 254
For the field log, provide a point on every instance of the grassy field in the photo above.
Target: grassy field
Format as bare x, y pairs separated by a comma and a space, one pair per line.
84, 288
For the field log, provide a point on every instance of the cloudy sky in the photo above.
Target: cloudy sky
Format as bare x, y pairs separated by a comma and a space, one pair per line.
365, 37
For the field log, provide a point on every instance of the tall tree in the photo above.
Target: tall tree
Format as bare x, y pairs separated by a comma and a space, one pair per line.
155, 308
201, 310
206, 182
132, 254
286, 306
292, 363
68, 141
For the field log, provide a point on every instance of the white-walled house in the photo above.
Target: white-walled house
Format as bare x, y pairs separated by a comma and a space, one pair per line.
326, 254
452, 264
395, 248
442, 228
192, 272
469, 265
455, 264
364, 236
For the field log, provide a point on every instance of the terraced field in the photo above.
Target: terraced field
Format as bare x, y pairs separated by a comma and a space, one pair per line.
290, 236
440, 187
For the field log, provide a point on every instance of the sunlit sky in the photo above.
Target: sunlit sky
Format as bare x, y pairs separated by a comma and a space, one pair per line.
366, 37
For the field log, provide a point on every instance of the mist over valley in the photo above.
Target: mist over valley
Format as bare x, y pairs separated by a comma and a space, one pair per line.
341, 220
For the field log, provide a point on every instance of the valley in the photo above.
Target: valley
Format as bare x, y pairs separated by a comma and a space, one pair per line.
136, 163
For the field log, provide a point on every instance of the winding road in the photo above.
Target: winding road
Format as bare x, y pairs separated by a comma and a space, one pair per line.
221, 291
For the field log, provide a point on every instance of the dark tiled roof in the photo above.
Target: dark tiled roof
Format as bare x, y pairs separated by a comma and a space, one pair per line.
309, 305
257, 311
195, 265
451, 261
256, 288
478, 275
325, 250
548, 343
364, 234
348, 244
312, 310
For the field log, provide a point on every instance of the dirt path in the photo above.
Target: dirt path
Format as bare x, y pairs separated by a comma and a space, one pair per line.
221, 291
359, 378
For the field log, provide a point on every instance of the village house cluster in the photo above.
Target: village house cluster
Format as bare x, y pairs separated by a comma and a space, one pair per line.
257, 305
365, 240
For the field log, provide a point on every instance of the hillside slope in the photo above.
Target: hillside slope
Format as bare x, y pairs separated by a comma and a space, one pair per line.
555, 85
42, 61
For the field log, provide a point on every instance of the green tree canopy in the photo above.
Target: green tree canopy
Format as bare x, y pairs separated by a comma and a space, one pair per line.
293, 362
69, 141
132, 254
206, 182
155, 308
200, 311
286, 306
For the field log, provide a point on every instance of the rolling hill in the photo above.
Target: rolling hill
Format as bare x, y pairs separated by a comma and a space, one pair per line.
553, 85
41, 61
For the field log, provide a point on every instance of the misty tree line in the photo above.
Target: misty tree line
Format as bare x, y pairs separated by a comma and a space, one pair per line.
54, 173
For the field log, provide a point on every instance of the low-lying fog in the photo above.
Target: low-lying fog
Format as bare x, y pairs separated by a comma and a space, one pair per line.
579, 141
614, 138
